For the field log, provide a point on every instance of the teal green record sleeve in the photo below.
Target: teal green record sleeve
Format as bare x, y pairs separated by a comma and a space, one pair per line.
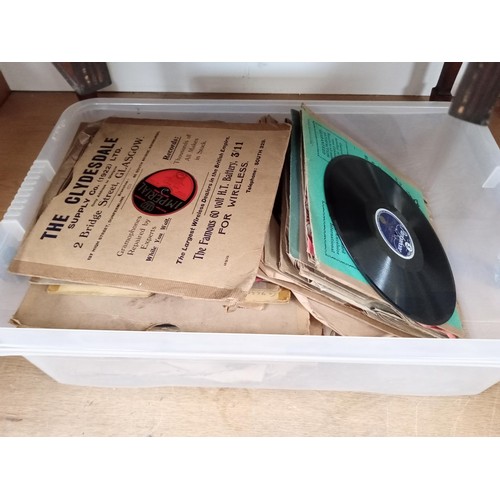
320, 145
295, 190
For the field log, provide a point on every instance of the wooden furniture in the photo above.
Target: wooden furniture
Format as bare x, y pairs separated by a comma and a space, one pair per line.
444, 85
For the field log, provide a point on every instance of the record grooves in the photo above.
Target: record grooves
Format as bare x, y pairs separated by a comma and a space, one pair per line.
390, 240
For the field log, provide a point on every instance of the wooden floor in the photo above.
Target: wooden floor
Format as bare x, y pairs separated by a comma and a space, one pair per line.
32, 404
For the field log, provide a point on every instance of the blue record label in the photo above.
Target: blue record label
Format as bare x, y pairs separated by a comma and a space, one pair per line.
394, 233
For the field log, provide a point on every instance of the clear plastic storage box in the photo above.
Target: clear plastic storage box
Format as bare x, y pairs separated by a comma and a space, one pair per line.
456, 164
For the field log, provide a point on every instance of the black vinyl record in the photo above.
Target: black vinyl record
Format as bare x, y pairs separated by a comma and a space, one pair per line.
390, 240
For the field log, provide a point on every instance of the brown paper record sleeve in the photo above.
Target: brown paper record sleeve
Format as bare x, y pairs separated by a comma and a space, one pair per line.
175, 207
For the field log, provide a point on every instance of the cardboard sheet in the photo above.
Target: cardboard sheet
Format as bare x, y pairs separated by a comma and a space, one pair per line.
44, 310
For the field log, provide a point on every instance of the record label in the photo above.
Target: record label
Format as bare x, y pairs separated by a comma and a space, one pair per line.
394, 233
164, 192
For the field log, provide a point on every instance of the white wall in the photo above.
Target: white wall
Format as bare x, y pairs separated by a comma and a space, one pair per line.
388, 78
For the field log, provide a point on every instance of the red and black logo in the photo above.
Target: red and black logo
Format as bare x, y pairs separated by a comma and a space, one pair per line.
164, 192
